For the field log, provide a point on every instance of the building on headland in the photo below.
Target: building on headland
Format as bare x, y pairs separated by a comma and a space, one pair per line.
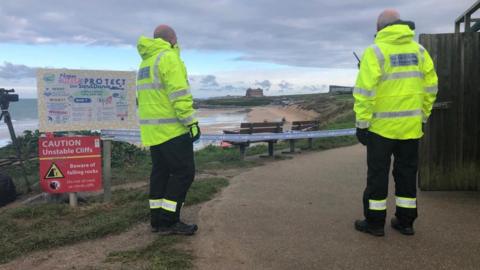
254, 92
336, 89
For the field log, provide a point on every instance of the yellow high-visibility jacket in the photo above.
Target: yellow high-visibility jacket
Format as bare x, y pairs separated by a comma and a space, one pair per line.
165, 104
396, 85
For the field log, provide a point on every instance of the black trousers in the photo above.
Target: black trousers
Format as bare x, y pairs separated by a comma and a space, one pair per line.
405, 166
173, 171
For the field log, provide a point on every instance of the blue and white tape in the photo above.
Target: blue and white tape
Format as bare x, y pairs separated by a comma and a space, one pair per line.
133, 136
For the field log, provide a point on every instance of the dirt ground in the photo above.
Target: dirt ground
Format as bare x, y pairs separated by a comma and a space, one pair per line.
299, 214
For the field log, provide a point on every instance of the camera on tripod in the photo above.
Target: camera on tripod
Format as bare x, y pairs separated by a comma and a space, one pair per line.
6, 97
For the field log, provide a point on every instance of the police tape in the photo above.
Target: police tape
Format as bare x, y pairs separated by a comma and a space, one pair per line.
133, 136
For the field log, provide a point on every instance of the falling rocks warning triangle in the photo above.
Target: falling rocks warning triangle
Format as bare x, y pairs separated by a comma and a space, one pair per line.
54, 172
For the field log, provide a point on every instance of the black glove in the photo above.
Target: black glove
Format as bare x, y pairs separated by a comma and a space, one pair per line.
194, 131
362, 135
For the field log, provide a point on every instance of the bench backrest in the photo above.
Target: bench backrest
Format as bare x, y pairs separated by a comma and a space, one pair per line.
305, 125
261, 127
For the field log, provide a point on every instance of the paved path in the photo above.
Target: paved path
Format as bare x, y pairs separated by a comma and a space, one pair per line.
299, 213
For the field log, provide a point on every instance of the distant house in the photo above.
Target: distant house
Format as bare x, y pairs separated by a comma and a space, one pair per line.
254, 92
336, 89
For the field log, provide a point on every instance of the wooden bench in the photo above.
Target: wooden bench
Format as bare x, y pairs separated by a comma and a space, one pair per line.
252, 128
303, 126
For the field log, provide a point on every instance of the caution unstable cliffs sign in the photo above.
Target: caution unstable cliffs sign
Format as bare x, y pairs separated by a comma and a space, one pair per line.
70, 164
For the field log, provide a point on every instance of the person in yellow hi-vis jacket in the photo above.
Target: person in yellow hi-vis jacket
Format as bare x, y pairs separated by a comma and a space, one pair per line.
394, 93
168, 126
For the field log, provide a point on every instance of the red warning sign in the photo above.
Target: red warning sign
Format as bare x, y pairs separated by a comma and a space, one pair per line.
70, 164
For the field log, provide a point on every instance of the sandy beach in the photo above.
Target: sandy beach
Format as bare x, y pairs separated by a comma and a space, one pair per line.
277, 113
214, 121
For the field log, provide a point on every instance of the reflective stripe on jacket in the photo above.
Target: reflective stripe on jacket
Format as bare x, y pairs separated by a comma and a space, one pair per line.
396, 85
165, 104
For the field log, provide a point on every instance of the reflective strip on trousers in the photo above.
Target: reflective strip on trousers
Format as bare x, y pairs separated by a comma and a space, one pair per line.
158, 121
169, 205
155, 204
187, 120
380, 57
406, 202
397, 114
432, 89
377, 205
362, 124
165, 204
178, 94
363, 92
402, 75
149, 86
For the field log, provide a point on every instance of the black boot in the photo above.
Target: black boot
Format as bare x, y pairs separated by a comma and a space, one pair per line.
363, 226
402, 228
179, 228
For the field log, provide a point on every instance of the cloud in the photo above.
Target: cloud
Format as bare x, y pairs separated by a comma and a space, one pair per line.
11, 71
309, 33
202, 86
285, 86
209, 81
233, 88
208, 86
265, 84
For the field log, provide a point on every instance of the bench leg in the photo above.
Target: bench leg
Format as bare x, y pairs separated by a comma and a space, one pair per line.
292, 149
243, 150
270, 149
310, 143
292, 146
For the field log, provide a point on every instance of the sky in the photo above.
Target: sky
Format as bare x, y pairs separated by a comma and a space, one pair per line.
284, 47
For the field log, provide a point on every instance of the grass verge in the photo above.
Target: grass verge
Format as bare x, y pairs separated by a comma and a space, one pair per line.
38, 227
160, 254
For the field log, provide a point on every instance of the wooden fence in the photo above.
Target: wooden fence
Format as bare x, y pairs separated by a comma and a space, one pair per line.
450, 150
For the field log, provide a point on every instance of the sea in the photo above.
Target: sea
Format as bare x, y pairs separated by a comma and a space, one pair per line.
24, 115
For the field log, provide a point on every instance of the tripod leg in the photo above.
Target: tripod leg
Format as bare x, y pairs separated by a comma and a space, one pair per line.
8, 121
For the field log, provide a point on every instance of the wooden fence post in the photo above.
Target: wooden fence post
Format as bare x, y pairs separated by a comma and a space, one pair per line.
73, 198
